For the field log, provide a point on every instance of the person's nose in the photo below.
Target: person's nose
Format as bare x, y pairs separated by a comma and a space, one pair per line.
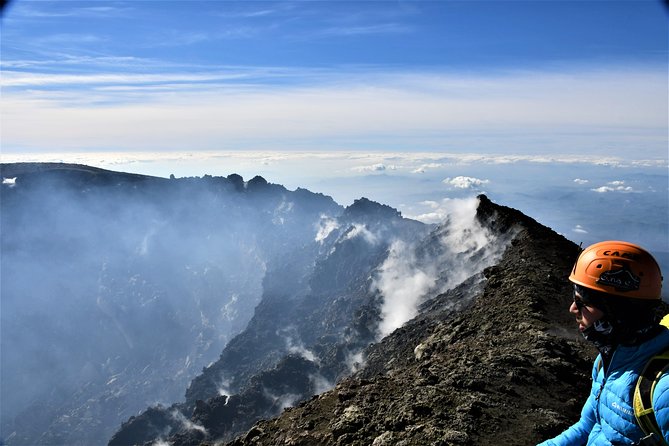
573, 308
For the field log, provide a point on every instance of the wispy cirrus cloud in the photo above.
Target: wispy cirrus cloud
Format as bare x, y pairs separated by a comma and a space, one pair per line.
78, 80
39, 10
207, 109
64, 38
379, 28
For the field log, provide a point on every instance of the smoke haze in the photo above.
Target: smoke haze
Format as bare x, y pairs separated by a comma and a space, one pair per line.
143, 282
115, 295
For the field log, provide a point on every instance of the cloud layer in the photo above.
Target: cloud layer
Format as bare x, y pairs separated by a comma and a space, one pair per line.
241, 108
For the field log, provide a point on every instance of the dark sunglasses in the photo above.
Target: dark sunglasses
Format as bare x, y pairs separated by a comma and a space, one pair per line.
585, 298
579, 302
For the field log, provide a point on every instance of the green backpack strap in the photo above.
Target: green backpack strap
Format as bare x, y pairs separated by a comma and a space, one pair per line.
645, 387
643, 393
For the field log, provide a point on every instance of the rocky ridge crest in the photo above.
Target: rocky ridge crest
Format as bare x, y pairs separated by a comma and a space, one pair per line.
509, 369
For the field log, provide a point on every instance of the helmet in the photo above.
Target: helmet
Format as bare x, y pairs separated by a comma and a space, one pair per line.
619, 268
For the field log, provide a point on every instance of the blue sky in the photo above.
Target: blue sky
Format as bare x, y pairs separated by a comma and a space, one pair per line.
557, 108
500, 76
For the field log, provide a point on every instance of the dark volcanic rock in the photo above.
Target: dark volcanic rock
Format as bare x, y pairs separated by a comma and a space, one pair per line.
313, 321
507, 370
292, 291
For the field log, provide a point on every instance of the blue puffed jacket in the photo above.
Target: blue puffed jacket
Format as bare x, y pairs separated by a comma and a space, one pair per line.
607, 417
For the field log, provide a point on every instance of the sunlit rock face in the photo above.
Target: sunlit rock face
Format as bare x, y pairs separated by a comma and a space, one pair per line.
214, 301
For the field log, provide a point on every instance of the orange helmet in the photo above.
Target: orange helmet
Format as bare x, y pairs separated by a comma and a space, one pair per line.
619, 268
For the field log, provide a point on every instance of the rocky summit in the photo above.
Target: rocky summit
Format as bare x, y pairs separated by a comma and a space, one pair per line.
506, 370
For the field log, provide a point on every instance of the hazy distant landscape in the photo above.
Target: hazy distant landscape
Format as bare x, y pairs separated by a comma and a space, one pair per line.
586, 198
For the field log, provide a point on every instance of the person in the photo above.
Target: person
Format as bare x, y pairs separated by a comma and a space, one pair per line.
617, 298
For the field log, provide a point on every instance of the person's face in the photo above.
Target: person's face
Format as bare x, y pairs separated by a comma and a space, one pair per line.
585, 315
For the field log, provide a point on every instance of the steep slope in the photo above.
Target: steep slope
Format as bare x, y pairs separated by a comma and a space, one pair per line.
374, 270
301, 338
506, 370
118, 288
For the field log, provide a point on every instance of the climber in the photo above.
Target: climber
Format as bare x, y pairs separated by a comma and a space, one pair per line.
616, 303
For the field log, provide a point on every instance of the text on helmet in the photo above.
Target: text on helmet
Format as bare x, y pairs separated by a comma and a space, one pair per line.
624, 255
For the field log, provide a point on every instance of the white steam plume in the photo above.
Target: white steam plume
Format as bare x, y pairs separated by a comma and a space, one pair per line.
360, 230
186, 423
408, 276
295, 346
223, 388
282, 401
402, 284
320, 383
355, 361
325, 227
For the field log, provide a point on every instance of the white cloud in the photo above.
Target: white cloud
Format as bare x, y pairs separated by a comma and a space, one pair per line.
32, 11
425, 167
294, 344
224, 387
430, 203
614, 186
580, 181
373, 168
580, 230
440, 210
282, 401
125, 80
384, 28
462, 182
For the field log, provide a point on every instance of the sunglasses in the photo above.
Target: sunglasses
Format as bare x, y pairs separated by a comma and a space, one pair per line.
579, 302
583, 298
